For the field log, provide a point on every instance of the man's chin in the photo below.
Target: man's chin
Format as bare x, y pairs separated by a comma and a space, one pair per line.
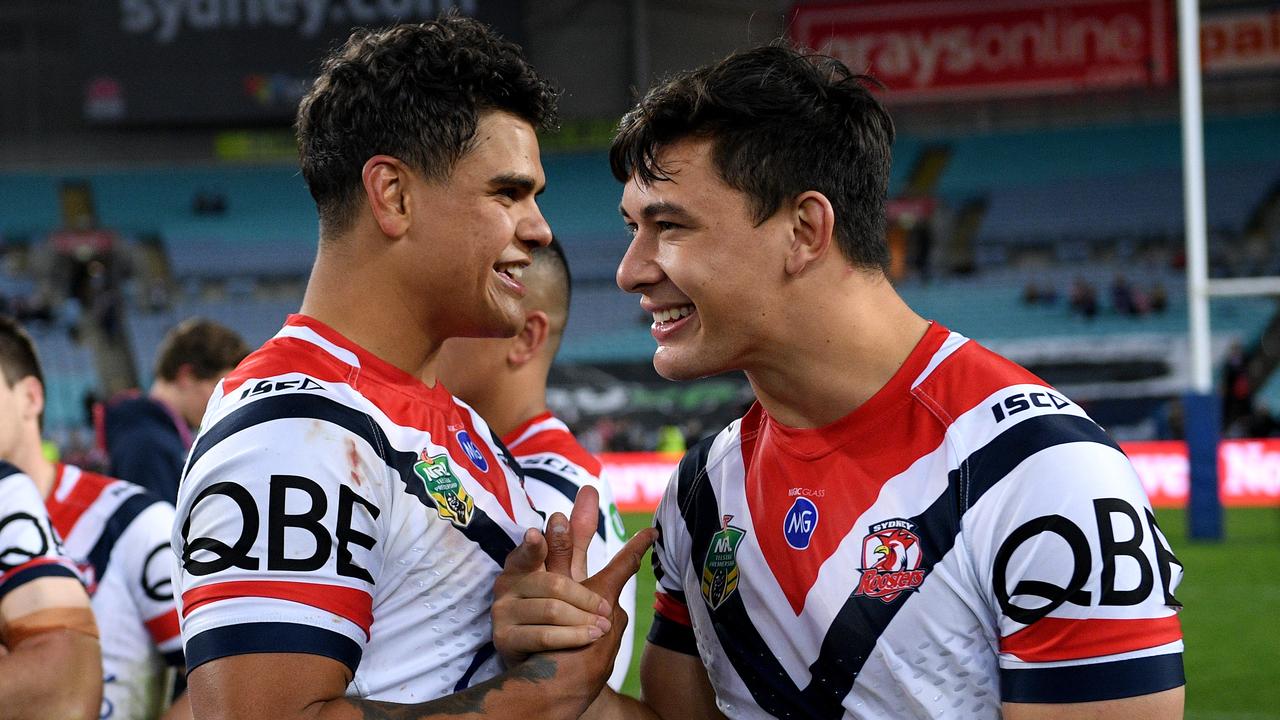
672, 366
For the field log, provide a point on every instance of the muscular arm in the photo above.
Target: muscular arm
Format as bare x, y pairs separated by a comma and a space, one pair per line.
48, 673
1166, 705
293, 686
673, 685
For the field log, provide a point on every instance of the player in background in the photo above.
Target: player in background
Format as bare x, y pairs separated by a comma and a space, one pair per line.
343, 520
905, 524
50, 662
148, 436
118, 535
505, 380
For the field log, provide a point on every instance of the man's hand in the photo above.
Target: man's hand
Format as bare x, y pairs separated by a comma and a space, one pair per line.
539, 607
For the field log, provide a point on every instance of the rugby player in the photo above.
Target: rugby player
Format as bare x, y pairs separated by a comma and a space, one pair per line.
116, 532
905, 525
505, 380
342, 519
50, 661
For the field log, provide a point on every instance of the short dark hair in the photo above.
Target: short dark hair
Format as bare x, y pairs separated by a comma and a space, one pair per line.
552, 256
209, 348
18, 357
414, 92
782, 121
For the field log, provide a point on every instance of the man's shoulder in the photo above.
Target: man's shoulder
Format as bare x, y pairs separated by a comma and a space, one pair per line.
138, 414
553, 444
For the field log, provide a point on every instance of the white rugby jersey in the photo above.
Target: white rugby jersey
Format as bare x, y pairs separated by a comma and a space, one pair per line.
29, 548
334, 505
967, 536
555, 467
118, 535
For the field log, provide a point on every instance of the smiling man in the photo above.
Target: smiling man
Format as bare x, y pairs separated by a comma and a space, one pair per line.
343, 519
905, 525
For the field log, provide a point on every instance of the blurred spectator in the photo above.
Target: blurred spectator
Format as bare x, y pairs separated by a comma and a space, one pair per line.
1122, 296
1035, 294
1084, 299
1159, 298
1237, 393
148, 436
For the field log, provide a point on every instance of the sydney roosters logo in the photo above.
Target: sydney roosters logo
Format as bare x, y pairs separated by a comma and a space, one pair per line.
891, 558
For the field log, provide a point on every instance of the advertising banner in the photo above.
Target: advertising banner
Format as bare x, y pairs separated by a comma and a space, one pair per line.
1242, 40
952, 49
1248, 474
223, 61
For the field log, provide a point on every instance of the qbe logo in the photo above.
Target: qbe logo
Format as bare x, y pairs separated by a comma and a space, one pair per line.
800, 522
473, 451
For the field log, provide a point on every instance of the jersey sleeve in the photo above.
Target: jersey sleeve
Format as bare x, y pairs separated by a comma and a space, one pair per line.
29, 548
149, 560
280, 532
672, 628
1076, 572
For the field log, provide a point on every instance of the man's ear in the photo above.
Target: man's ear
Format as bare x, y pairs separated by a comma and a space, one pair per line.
31, 390
813, 231
526, 345
386, 185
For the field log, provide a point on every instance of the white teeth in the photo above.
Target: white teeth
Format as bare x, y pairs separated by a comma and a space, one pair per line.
513, 270
670, 314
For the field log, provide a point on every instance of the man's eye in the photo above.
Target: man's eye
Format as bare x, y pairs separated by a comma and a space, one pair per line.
664, 226
631, 228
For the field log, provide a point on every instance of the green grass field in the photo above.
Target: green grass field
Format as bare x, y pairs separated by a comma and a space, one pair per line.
1231, 620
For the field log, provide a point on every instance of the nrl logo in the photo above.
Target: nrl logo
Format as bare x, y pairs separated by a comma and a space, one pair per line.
720, 568
453, 502
891, 558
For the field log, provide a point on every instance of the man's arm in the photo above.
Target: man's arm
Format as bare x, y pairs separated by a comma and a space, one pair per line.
1157, 706
295, 686
53, 668
674, 686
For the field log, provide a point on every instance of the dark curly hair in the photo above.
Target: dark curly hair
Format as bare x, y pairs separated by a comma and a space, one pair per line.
414, 92
782, 121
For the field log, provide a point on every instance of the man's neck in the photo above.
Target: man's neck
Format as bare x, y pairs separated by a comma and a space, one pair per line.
167, 394
512, 402
829, 363
356, 301
30, 459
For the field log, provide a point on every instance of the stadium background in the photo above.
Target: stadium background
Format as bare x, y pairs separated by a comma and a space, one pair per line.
148, 174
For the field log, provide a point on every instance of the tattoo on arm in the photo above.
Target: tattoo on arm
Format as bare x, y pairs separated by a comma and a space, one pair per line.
534, 670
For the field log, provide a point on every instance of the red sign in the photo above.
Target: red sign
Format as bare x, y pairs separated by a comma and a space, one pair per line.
949, 49
1245, 40
1248, 474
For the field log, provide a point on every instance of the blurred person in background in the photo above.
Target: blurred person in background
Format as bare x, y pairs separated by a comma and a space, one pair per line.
505, 380
148, 436
50, 660
117, 533
904, 525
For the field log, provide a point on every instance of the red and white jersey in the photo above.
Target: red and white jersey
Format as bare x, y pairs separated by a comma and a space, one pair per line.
334, 505
555, 467
29, 547
118, 534
966, 537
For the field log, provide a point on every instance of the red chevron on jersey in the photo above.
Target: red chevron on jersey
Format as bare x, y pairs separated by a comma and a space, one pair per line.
966, 537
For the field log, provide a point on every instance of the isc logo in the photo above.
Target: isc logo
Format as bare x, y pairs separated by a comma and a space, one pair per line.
1015, 404
798, 525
